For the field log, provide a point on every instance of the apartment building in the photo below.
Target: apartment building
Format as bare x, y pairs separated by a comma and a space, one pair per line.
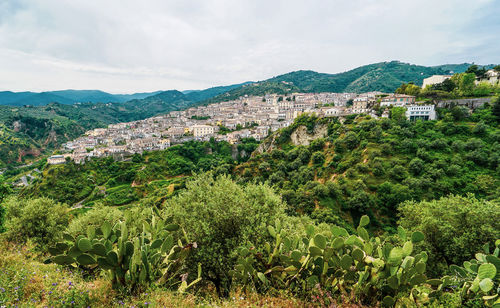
202, 130
397, 100
420, 112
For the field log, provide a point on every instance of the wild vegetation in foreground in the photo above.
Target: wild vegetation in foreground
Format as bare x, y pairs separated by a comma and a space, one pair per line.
242, 234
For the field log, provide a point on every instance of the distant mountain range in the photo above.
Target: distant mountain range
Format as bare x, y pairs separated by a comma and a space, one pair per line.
67, 97
383, 76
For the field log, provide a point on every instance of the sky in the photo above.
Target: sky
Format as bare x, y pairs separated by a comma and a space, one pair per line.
125, 46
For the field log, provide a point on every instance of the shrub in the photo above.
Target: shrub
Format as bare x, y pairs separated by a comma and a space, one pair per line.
318, 158
41, 220
351, 140
220, 215
94, 217
455, 227
398, 173
416, 166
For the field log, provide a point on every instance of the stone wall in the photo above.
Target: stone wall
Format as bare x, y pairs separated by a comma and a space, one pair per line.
472, 103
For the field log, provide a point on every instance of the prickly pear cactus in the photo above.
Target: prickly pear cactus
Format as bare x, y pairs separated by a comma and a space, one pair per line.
132, 262
336, 261
479, 277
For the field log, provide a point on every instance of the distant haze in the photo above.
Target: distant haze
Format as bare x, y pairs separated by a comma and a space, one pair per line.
126, 46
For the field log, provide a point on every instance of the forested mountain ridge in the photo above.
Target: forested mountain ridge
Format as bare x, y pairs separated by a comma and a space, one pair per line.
70, 97
383, 76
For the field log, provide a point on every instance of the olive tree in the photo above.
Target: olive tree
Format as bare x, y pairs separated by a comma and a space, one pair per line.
220, 215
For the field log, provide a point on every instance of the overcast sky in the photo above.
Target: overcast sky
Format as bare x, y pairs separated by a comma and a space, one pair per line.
125, 46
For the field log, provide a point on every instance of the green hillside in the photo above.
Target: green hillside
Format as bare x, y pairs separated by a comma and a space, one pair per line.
34, 131
385, 210
121, 183
369, 166
363, 166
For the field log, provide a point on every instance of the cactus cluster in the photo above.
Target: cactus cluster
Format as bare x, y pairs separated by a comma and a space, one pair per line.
477, 277
132, 261
336, 261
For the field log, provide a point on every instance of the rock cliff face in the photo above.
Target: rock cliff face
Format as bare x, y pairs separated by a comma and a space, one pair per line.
267, 145
300, 136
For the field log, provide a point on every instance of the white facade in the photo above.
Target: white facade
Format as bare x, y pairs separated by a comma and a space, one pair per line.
434, 79
492, 76
56, 159
420, 112
334, 111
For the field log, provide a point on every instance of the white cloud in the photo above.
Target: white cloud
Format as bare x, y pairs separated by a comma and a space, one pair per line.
127, 46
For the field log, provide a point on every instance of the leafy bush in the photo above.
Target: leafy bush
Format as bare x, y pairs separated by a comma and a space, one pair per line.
94, 217
455, 227
42, 220
318, 158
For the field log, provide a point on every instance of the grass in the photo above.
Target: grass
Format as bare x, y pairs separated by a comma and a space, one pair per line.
25, 281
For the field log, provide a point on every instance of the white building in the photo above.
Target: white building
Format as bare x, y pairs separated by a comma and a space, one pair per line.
202, 130
434, 79
420, 112
334, 111
360, 105
492, 76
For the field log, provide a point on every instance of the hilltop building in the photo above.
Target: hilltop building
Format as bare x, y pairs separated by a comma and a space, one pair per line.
492, 76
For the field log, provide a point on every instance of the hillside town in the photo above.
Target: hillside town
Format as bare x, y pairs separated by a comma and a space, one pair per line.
231, 121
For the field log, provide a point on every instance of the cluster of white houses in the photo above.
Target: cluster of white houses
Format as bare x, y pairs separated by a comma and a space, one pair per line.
231, 121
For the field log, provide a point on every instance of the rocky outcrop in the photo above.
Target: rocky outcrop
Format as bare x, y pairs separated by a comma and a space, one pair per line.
267, 145
301, 136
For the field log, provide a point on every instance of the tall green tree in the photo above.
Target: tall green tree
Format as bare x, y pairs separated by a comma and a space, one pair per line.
466, 83
220, 215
